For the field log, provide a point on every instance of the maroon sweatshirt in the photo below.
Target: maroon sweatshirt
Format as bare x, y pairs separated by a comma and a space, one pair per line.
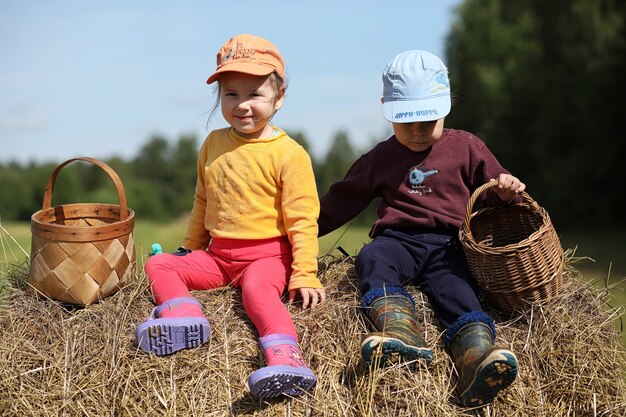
428, 189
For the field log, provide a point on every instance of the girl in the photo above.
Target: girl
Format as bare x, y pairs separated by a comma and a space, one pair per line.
253, 225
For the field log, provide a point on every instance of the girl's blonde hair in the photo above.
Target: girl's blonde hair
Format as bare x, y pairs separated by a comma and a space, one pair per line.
278, 83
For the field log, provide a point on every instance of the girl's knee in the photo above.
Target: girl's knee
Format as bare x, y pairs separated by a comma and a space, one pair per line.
155, 266
261, 288
266, 273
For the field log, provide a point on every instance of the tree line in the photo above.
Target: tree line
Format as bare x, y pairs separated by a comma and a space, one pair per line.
541, 82
159, 182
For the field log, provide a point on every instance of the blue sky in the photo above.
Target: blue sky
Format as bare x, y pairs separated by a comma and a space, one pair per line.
99, 78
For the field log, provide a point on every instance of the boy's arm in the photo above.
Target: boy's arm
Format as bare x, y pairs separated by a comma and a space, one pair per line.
508, 187
488, 168
345, 199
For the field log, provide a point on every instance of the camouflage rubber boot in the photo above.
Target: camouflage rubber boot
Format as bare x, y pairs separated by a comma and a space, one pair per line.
396, 338
484, 370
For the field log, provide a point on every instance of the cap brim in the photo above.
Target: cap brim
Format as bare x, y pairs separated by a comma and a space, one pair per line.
425, 110
245, 68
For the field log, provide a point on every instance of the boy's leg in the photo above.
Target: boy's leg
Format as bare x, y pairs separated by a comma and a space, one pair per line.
446, 280
389, 307
484, 369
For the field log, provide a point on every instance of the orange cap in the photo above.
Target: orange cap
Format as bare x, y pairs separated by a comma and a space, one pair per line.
248, 54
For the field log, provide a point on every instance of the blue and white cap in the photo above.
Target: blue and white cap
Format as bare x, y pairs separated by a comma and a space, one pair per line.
416, 88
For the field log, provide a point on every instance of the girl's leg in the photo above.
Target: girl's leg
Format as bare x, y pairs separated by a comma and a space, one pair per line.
262, 285
285, 373
171, 277
178, 321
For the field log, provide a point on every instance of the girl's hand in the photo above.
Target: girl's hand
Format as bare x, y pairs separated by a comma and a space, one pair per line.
311, 297
508, 186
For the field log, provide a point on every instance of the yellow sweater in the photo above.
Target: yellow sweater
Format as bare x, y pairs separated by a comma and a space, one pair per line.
257, 189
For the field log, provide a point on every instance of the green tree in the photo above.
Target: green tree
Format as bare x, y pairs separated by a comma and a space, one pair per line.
336, 163
154, 161
301, 138
164, 177
15, 194
185, 156
541, 83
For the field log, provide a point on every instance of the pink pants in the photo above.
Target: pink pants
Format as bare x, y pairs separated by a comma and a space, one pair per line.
261, 268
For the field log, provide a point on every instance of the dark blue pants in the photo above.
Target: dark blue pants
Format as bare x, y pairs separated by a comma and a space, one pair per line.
433, 261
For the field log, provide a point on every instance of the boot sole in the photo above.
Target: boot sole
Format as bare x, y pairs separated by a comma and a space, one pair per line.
164, 336
380, 351
496, 372
276, 380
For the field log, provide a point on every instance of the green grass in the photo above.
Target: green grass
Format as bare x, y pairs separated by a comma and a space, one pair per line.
603, 253
604, 250
15, 238
350, 238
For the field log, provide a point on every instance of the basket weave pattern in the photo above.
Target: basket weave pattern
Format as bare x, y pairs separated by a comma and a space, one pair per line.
513, 252
82, 252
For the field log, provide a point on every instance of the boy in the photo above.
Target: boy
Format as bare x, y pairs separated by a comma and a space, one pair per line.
425, 175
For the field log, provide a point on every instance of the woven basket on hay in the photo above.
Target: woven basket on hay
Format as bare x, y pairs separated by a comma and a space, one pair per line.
82, 252
513, 252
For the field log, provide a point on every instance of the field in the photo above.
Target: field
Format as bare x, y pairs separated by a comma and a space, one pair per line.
601, 255
89, 366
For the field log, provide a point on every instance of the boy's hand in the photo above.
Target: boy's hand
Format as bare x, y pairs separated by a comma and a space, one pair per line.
508, 186
311, 297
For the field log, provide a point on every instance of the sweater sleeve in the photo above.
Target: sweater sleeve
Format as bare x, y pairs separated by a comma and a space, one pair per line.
300, 208
197, 237
346, 198
488, 168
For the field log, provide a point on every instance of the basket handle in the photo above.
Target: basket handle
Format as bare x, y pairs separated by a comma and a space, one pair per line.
121, 195
470, 204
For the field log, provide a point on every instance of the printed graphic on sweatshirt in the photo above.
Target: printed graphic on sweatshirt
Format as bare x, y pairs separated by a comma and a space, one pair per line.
416, 180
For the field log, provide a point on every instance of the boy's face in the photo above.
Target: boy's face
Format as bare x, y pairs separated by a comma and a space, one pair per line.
418, 136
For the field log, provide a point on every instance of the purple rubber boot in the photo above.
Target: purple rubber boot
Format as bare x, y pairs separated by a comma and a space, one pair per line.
285, 374
174, 325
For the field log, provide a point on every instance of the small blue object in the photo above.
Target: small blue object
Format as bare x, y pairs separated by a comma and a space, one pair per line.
156, 249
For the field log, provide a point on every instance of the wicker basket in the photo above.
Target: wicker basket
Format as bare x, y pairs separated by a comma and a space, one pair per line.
81, 253
513, 252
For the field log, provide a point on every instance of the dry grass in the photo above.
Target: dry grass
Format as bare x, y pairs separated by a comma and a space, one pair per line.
82, 362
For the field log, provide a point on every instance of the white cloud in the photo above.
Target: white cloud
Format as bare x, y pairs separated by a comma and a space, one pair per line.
23, 122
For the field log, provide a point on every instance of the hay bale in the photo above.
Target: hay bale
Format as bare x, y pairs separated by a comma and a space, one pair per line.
60, 362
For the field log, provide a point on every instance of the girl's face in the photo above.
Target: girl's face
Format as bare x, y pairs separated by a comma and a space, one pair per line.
248, 103
418, 136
